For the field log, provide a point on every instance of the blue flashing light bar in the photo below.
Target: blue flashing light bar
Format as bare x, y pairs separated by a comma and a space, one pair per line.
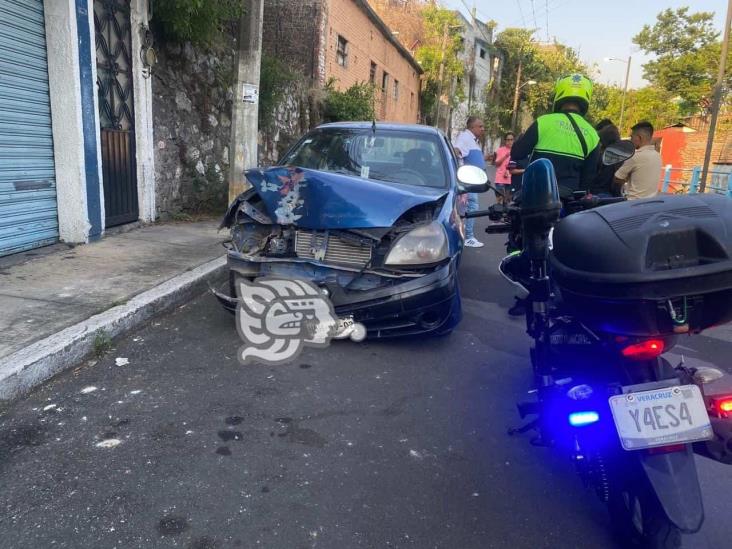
580, 419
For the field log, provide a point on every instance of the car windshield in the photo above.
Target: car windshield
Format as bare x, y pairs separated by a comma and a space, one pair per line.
387, 155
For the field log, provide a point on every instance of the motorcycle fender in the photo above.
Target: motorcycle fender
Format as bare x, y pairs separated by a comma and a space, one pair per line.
674, 479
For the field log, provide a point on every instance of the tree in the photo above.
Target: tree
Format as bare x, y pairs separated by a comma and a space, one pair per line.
543, 64
554, 61
438, 56
687, 53
519, 50
650, 103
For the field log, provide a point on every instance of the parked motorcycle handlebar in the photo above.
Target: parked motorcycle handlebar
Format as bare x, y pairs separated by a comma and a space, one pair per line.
477, 213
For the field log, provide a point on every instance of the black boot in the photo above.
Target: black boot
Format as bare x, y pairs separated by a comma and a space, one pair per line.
519, 308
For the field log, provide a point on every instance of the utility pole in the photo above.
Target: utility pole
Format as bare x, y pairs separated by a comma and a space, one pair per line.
516, 93
625, 92
717, 98
441, 75
245, 112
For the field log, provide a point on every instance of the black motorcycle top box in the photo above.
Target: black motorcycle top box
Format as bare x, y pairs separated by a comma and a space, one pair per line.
646, 267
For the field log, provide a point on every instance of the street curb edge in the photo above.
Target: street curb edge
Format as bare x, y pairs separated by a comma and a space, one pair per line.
22, 371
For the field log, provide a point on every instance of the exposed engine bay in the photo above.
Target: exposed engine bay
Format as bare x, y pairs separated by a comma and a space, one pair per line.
256, 238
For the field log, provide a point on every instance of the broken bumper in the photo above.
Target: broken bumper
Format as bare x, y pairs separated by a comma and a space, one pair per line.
397, 306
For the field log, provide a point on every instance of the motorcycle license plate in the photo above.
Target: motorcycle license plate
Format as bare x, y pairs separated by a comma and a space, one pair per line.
672, 415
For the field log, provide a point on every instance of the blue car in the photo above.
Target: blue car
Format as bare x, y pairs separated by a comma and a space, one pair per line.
367, 212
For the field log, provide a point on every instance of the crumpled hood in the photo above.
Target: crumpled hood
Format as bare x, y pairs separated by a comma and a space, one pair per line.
321, 200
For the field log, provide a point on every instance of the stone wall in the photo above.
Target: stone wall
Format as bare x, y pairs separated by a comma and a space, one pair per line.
291, 119
192, 100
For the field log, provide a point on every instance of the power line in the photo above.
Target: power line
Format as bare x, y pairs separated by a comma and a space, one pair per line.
552, 5
533, 11
546, 6
521, 11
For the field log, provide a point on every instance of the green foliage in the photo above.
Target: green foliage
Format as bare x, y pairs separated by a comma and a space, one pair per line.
650, 103
438, 56
687, 52
209, 191
354, 104
102, 343
553, 62
195, 21
274, 78
518, 48
677, 32
543, 64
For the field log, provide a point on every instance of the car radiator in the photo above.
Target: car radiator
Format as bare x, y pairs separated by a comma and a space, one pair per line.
329, 248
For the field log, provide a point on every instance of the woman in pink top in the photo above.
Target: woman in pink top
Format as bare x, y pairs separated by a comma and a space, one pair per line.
503, 176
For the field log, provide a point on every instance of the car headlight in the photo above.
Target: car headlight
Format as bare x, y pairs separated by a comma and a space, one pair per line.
420, 246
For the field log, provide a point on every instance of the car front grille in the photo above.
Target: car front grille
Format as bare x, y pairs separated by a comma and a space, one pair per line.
309, 245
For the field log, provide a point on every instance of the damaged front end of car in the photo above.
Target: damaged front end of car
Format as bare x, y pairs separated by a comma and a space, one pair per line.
376, 250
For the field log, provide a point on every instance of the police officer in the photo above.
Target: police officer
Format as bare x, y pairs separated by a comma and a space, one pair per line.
564, 137
568, 141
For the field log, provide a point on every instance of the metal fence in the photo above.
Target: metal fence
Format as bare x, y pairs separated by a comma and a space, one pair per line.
684, 181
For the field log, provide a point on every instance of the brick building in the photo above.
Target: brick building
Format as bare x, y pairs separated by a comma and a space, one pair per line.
682, 147
345, 40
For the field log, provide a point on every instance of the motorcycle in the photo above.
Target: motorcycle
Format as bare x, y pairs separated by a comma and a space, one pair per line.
610, 288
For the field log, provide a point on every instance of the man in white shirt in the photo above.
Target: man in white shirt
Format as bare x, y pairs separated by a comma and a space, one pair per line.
641, 174
467, 145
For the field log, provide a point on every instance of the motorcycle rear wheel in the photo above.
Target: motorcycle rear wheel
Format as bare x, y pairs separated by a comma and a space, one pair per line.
638, 517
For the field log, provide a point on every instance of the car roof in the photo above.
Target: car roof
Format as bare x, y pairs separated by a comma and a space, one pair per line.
380, 126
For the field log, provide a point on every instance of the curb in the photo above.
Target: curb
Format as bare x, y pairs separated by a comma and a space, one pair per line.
27, 368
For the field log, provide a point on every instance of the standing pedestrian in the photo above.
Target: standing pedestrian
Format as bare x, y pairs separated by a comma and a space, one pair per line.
467, 143
604, 182
503, 176
641, 174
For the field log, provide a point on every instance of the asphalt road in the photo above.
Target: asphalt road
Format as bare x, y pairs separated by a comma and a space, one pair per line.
378, 444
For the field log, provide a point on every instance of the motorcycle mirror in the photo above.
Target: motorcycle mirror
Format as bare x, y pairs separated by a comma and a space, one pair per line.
618, 152
472, 179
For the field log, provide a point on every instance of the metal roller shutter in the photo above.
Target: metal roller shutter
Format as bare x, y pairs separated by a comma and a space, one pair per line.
28, 211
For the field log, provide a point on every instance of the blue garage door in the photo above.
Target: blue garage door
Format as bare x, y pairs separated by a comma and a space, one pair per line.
28, 213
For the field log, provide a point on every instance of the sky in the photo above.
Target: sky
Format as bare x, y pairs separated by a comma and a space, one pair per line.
597, 29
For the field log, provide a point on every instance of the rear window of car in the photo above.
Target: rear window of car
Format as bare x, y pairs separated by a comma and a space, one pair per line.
392, 156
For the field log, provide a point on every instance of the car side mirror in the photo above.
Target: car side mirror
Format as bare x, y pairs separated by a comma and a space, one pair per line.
472, 179
618, 152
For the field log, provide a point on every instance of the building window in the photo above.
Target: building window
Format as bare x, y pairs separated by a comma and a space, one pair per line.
396, 90
482, 53
342, 52
385, 82
372, 73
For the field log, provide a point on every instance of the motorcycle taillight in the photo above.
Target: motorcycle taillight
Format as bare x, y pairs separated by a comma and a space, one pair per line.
645, 350
723, 406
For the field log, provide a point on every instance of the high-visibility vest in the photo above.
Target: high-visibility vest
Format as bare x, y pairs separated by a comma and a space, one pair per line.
558, 136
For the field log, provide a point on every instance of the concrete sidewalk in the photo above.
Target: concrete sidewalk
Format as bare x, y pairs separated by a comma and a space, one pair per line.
57, 302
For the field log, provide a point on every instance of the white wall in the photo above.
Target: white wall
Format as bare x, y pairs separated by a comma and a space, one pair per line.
68, 133
142, 89
97, 126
